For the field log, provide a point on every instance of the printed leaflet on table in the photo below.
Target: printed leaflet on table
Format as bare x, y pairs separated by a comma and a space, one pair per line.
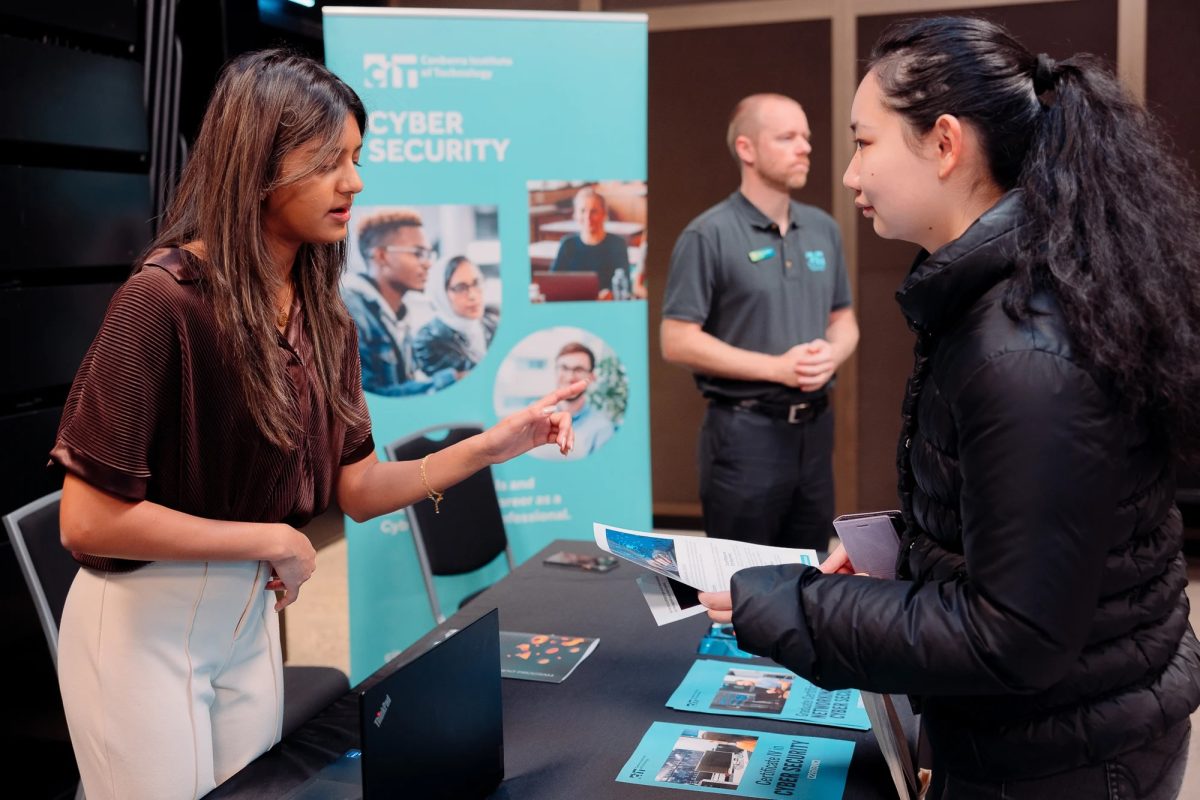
545, 657
739, 763
751, 690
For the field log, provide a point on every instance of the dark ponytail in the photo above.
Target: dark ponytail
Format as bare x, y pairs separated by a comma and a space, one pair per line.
1113, 215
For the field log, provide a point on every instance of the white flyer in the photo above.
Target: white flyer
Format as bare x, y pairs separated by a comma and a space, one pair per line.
664, 599
698, 561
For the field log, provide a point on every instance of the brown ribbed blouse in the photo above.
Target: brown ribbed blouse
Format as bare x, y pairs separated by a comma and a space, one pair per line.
155, 412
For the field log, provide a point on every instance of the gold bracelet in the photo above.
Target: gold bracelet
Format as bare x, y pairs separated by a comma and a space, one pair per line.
430, 492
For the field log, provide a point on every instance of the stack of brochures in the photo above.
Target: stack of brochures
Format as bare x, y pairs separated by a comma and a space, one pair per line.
545, 657
720, 640
740, 762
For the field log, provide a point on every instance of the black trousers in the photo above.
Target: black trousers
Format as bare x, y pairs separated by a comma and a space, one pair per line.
765, 480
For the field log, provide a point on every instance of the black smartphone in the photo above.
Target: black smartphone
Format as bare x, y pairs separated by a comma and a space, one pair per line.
872, 541
592, 563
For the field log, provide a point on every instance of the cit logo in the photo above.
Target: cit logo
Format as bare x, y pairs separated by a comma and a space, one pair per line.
395, 71
815, 260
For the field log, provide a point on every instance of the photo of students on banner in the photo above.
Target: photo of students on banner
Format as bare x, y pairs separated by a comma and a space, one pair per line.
587, 241
554, 357
422, 285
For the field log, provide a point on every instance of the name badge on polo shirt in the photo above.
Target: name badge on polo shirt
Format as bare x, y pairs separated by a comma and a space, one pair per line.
761, 254
815, 259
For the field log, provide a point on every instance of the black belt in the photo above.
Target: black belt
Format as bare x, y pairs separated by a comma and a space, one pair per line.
792, 413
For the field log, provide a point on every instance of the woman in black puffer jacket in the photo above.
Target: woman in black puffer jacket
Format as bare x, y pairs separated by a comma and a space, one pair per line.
1041, 622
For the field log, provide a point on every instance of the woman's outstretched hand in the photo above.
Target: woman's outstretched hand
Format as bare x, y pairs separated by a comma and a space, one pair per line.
538, 423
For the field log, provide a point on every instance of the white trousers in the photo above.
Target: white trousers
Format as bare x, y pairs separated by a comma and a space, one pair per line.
171, 676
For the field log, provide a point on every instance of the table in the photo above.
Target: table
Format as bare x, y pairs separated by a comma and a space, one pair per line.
568, 739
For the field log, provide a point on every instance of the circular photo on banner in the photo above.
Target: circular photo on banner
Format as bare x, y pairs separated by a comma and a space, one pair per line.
553, 357
422, 285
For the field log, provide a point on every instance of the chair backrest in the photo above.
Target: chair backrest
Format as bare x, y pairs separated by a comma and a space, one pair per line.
469, 532
49, 570
47, 566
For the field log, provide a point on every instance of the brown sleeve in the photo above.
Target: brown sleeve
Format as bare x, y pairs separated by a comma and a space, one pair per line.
127, 377
359, 441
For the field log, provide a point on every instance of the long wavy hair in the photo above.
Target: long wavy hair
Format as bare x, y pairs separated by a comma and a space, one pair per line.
265, 105
1113, 215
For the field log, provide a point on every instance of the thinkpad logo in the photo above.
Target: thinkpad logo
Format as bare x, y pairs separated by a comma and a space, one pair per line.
383, 709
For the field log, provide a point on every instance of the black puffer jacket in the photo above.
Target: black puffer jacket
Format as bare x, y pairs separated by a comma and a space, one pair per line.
1043, 623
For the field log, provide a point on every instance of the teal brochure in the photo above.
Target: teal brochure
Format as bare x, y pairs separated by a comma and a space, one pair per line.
721, 641
739, 763
749, 690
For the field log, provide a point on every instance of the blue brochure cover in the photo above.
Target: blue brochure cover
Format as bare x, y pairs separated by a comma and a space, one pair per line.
751, 690
739, 763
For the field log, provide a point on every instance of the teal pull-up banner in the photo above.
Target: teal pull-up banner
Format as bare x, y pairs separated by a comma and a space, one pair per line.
496, 252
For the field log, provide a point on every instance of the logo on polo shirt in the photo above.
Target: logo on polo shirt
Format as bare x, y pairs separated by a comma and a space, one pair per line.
815, 259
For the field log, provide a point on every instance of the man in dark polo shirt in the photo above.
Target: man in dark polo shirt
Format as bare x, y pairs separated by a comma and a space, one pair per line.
758, 307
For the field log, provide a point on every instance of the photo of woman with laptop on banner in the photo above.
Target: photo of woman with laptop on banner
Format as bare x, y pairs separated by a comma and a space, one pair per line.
422, 285
587, 241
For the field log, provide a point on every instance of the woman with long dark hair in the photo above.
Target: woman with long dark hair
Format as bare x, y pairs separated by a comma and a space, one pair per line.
219, 409
1041, 622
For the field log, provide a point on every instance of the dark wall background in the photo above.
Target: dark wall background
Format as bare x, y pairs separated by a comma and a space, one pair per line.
696, 77
1172, 77
74, 210
1173, 94
885, 350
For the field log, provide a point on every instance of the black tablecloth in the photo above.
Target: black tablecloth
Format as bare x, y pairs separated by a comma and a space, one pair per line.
569, 739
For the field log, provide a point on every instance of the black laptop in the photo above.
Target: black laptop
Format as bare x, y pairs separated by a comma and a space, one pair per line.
430, 729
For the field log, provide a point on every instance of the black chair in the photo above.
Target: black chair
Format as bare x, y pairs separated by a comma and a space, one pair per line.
49, 570
468, 534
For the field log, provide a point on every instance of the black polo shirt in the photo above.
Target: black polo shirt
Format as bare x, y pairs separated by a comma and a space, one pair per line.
749, 286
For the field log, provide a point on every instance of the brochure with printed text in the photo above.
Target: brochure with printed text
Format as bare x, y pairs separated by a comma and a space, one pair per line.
752, 690
698, 561
668, 599
545, 657
739, 763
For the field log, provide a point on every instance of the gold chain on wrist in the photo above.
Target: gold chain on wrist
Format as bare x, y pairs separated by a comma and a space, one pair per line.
430, 492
